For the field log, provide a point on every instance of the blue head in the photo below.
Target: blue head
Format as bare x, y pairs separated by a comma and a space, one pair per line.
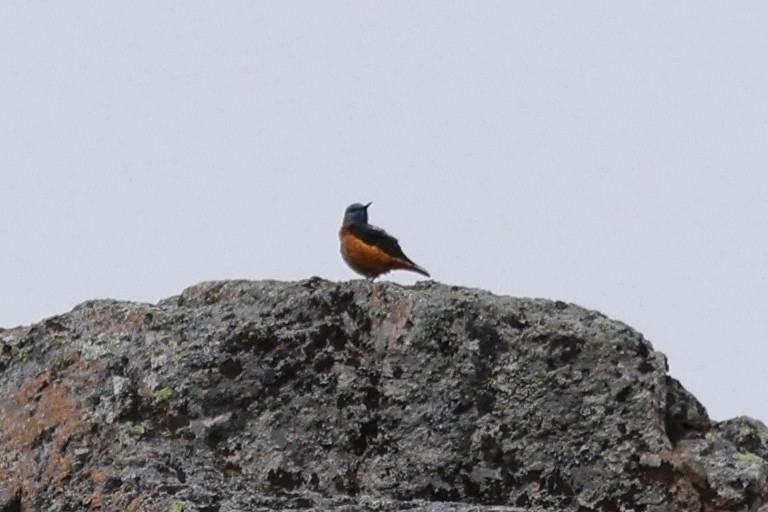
357, 213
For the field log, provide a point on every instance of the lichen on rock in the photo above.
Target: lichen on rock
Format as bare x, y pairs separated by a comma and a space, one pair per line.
243, 395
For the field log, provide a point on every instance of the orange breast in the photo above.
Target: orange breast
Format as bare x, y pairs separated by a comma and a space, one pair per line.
366, 259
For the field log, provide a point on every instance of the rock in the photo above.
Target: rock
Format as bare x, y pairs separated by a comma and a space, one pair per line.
357, 396
10, 496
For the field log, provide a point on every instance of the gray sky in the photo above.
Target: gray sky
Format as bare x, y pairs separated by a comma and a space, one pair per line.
611, 154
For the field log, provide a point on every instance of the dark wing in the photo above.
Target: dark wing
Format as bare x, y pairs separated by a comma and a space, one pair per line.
379, 238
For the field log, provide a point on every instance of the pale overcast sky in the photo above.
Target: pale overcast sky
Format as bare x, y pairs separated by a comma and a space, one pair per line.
611, 154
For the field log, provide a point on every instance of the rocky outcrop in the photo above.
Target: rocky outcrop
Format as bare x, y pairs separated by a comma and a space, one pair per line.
247, 395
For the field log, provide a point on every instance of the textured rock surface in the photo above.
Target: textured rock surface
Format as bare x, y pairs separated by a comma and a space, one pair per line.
349, 396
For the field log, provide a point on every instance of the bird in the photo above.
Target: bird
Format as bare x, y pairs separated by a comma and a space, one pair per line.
368, 250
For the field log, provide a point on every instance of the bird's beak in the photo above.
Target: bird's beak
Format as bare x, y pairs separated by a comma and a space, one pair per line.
369, 204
